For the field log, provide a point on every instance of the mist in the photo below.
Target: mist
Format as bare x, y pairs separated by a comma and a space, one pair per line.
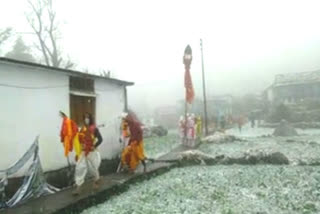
245, 43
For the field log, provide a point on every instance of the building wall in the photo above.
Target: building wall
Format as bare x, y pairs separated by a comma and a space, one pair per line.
26, 113
110, 103
294, 93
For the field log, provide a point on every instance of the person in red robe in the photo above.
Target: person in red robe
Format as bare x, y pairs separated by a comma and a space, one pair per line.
133, 154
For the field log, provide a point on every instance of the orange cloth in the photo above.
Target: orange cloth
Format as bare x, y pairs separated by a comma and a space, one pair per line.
133, 154
68, 130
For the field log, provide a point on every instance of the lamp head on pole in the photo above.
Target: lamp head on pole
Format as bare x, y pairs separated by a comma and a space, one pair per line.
187, 57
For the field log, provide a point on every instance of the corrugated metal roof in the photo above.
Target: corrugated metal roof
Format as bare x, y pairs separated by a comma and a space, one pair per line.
297, 78
67, 71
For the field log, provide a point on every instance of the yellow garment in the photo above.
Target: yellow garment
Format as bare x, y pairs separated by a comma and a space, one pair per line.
77, 146
133, 154
199, 127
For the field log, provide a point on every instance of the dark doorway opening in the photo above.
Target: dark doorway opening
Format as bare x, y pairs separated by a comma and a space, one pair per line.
79, 105
82, 98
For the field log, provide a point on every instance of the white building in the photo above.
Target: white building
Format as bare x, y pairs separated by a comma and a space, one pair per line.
32, 96
294, 87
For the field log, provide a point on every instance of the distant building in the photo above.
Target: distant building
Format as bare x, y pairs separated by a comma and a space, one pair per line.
291, 88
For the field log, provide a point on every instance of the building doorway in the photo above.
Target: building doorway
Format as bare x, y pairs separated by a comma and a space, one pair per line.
82, 98
79, 105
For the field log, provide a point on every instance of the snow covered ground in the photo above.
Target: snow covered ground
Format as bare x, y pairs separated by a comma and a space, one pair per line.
158, 146
222, 189
228, 189
301, 149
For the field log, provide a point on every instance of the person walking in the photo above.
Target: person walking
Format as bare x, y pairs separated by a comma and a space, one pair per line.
89, 160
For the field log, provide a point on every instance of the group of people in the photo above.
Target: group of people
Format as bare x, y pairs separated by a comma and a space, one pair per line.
190, 128
85, 141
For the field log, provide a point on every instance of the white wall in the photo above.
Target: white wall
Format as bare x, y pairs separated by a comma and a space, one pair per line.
270, 94
25, 113
109, 106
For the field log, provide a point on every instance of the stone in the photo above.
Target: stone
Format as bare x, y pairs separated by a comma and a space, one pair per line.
285, 130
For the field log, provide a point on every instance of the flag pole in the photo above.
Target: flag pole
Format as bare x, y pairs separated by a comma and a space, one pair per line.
204, 92
187, 59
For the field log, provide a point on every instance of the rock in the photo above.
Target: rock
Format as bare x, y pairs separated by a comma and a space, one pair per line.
290, 141
159, 131
285, 130
276, 158
219, 137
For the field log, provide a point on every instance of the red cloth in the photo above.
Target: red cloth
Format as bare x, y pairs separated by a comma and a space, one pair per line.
188, 85
135, 128
86, 138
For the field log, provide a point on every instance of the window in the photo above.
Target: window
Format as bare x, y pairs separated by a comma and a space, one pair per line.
81, 84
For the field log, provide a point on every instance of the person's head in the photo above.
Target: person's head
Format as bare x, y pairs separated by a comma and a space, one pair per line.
88, 119
62, 114
124, 115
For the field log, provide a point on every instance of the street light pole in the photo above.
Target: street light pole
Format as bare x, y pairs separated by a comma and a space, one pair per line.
204, 92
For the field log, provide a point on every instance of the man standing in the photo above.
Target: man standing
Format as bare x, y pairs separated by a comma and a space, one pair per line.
124, 138
199, 127
125, 132
90, 138
191, 130
182, 125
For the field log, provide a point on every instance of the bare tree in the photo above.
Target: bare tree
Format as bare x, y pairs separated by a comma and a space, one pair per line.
43, 21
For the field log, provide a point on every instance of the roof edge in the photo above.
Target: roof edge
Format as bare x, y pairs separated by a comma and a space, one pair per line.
68, 71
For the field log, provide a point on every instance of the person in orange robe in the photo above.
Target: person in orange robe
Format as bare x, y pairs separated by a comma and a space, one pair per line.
68, 131
133, 154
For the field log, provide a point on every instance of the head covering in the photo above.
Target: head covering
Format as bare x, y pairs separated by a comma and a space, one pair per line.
124, 115
134, 127
133, 118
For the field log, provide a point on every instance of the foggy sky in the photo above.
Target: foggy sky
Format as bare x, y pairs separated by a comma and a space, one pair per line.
245, 42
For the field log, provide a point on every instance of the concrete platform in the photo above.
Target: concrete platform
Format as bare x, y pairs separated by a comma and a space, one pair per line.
64, 201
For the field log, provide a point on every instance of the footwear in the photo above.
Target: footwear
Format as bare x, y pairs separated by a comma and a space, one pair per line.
96, 184
76, 191
144, 166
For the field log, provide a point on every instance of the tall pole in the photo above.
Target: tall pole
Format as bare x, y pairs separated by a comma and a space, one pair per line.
187, 59
204, 92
